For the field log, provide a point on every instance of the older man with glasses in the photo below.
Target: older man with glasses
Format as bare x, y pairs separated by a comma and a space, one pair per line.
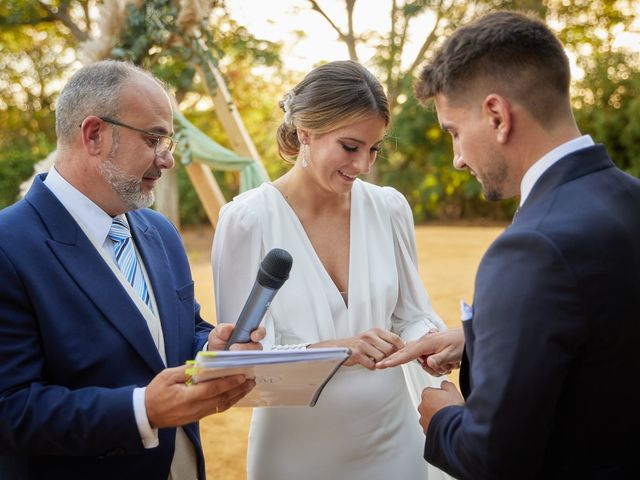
97, 308
163, 143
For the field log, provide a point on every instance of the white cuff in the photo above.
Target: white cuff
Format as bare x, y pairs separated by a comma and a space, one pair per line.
418, 329
148, 435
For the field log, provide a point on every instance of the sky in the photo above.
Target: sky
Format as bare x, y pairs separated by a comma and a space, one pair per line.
276, 20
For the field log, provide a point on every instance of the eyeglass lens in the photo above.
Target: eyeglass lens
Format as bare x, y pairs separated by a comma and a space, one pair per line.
165, 144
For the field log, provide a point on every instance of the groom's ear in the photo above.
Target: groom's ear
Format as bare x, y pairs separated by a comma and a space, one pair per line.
497, 112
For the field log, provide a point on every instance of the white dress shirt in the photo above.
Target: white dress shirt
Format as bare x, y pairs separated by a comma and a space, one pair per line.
96, 223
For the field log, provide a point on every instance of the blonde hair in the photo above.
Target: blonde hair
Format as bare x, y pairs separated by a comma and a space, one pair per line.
329, 97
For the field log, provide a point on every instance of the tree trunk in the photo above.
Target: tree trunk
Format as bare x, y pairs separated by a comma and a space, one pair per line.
166, 192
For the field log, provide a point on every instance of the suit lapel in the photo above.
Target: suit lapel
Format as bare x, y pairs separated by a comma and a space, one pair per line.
576, 164
155, 259
92, 275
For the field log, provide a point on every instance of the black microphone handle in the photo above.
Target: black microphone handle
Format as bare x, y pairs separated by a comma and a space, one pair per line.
273, 272
252, 313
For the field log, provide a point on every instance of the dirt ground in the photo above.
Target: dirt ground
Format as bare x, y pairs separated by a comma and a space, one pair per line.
448, 259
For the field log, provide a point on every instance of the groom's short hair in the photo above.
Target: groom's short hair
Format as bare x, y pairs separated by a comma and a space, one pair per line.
509, 53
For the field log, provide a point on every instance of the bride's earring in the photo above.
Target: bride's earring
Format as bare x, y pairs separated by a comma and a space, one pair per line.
305, 155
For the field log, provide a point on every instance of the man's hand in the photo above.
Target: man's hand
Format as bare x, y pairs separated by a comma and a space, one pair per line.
435, 399
171, 403
220, 335
439, 352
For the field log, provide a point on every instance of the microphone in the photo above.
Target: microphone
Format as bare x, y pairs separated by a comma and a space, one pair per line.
274, 271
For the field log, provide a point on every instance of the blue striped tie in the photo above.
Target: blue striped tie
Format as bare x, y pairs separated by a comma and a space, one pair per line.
127, 259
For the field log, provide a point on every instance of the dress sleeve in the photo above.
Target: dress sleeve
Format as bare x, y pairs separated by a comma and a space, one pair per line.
238, 249
414, 315
235, 258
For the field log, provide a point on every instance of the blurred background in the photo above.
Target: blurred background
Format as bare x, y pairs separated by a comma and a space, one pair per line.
258, 50
262, 48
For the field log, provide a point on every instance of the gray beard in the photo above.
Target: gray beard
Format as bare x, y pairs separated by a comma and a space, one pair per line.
126, 186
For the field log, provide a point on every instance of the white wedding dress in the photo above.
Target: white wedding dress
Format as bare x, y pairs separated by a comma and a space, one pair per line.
365, 424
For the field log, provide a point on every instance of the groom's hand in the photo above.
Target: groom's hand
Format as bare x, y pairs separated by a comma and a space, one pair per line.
438, 352
435, 399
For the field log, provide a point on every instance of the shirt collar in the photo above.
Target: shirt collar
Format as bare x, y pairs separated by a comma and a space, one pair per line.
537, 169
94, 220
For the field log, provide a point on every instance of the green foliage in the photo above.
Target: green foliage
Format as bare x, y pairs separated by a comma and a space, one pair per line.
14, 169
609, 109
417, 157
151, 37
38, 42
37, 52
25, 138
145, 27
33, 55
417, 160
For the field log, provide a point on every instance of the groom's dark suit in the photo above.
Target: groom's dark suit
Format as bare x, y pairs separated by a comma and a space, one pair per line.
73, 344
556, 326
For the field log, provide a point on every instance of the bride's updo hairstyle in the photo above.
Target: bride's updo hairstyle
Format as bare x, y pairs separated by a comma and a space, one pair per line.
330, 96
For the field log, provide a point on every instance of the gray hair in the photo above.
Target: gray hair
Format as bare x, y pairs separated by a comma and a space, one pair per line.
329, 97
93, 90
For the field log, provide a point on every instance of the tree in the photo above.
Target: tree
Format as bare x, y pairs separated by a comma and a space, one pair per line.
390, 46
417, 157
608, 100
39, 44
39, 48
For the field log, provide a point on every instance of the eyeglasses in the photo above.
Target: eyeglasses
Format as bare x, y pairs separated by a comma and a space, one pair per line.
163, 143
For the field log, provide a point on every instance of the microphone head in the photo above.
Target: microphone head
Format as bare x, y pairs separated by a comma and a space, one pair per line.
275, 268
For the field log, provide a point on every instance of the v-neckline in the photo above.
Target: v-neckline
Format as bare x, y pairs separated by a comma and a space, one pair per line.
336, 291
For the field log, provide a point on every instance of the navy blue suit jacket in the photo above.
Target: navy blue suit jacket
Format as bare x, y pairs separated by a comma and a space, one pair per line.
554, 341
73, 345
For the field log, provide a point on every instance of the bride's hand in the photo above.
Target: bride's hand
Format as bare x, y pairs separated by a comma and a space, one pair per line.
369, 347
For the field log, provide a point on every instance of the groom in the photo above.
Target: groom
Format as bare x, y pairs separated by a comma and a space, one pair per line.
553, 336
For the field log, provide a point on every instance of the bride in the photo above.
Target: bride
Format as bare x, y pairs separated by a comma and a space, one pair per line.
354, 283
